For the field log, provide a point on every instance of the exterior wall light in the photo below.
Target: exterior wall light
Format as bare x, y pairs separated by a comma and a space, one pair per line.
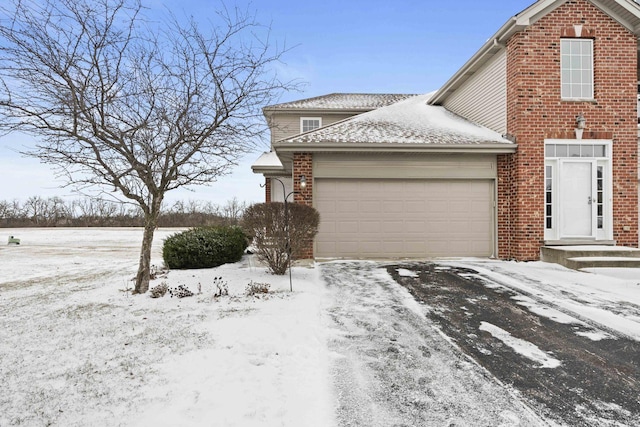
303, 181
580, 125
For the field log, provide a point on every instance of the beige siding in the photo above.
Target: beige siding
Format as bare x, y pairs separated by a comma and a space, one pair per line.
404, 218
286, 125
278, 192
411, 166
483, 98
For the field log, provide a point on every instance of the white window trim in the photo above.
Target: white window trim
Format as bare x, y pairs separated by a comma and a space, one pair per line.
302, 119
593, 84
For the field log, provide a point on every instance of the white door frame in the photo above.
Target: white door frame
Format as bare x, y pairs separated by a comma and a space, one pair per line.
559, 153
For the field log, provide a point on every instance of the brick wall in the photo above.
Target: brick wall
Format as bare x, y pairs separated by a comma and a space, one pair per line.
535, 112
267, 190
303, 165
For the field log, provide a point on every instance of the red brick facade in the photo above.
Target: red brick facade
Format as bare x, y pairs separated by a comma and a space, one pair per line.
267, 190
303, 165
535, 112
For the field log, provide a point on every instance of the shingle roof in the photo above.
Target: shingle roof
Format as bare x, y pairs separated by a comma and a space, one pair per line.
343, 101
411, 121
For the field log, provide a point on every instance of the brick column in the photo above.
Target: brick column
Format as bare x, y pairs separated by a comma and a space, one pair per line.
303, 165
267, 190
505, 189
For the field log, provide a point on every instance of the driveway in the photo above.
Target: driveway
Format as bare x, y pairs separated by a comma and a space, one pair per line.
425, 344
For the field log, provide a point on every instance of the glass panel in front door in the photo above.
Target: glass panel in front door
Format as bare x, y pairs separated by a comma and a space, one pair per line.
576, 199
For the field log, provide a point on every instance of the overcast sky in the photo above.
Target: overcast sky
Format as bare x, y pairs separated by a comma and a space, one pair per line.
363, 46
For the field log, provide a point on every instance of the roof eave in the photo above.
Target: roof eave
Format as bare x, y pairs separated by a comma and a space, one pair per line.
479, 148
490, 48
267, 170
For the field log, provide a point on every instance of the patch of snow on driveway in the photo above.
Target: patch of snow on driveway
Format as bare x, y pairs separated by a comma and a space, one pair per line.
520, 346
406, 273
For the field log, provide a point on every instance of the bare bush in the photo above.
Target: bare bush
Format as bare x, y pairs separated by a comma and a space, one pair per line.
257, 288
279, 233
159, 290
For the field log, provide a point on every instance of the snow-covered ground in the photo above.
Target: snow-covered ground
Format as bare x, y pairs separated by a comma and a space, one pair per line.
77, 349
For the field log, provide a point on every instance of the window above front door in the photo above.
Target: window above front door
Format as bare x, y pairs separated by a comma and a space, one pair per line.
576, 68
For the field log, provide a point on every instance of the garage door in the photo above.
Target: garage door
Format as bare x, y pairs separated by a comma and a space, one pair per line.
367, 218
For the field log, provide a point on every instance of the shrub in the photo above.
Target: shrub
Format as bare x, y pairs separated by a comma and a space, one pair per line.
159, 290
180, 292
222, 289
256, 288
266, 224
204, 247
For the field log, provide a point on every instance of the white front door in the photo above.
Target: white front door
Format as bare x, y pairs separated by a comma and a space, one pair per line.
577, 198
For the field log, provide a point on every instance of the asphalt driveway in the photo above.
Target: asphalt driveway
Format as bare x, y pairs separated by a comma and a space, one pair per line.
425, 344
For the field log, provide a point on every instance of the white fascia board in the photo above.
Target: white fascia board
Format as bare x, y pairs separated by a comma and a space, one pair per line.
265, 170
629, 6
494, 44
537, 10
397, 148
490, 48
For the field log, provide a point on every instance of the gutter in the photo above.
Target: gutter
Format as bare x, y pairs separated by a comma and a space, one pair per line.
373, 148
490, 48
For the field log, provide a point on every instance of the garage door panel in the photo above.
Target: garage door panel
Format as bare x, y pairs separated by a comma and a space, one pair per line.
346, 227
327, 227
362, 218
416, 206
415, 226
437, 206
370, 247
393, 246
372, 227
347, 206
394, 227
370, 206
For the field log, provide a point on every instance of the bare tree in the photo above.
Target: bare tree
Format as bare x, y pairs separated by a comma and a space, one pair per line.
35, 208
233, 210
130, 105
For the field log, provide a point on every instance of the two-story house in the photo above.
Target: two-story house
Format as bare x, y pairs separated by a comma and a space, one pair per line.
533, 142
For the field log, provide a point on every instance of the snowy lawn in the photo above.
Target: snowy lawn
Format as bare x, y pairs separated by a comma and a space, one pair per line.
77, 349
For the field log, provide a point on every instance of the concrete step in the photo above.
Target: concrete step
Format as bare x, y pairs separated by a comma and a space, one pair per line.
578, 263
588, 256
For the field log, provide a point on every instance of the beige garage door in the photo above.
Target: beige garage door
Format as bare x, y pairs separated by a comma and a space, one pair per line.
369, 218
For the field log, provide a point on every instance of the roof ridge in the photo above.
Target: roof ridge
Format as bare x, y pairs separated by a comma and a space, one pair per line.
376, 100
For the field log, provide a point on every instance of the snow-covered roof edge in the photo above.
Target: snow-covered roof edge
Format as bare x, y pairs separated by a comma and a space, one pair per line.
391, 122
267, 162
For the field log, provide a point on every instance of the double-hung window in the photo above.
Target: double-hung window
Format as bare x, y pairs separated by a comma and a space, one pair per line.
576, 64
310, 123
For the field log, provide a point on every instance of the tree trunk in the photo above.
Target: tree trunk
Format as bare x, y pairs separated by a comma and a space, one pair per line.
144, 268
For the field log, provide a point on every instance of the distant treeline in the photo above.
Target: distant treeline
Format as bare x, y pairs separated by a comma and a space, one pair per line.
89, 212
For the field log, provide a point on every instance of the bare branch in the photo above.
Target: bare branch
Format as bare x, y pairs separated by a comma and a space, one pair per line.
119, 103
